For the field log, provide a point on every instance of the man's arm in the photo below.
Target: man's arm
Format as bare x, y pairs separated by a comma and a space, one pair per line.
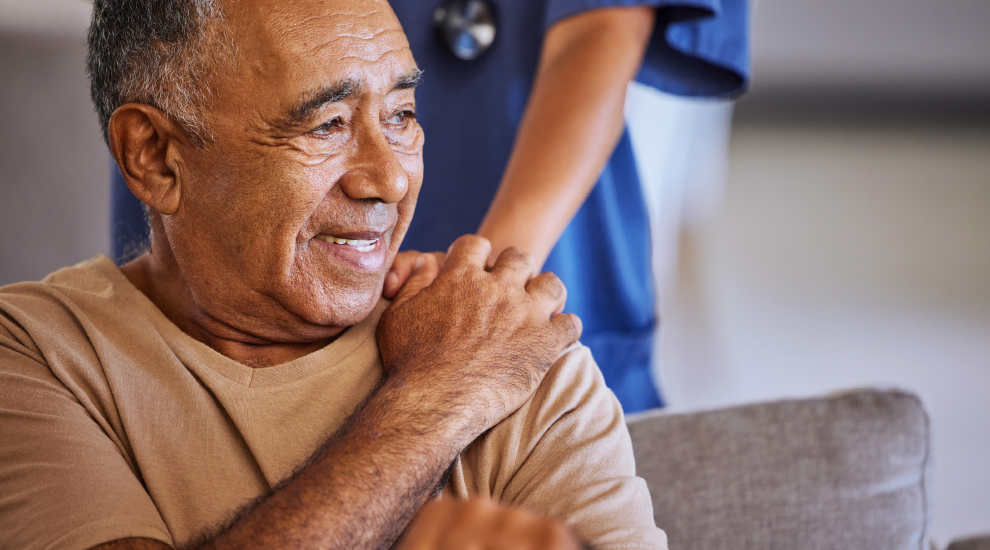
443, 344
453, 525
572, 123
450, 524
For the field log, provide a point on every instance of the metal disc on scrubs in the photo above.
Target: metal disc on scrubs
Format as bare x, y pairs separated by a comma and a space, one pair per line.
466, 27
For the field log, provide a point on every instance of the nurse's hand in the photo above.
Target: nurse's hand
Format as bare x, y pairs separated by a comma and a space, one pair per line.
403, 267
481, 523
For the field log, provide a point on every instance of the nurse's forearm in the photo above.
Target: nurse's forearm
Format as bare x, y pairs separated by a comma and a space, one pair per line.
572, 123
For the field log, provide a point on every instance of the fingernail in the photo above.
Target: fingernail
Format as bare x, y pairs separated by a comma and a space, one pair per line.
390, 280
419, 263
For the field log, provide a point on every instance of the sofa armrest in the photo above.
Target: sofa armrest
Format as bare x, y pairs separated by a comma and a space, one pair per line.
843, 471
977, 543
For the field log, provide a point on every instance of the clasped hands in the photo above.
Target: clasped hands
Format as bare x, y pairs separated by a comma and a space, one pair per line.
478, 341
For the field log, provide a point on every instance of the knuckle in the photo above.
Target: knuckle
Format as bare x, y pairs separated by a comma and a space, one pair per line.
471, 241
552, 277
550, 284
554, 282
468, 245
571, 323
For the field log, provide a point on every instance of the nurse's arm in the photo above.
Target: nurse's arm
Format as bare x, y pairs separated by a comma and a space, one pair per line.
572, 123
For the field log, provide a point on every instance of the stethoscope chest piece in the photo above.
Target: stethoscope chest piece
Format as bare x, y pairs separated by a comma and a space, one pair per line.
466, 27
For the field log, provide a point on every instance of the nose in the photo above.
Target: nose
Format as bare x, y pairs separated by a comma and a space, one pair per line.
375, 171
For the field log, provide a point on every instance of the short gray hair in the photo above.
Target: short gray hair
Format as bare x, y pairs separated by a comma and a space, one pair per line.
159, 52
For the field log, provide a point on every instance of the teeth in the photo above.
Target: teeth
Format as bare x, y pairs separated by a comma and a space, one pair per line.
360, 245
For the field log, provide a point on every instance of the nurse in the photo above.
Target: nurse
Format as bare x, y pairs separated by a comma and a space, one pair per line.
522, 102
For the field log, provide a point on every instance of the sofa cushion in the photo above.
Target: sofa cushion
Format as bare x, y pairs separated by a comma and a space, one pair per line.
844, 471
974, 543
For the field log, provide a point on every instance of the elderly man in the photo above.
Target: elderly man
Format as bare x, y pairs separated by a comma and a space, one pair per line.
241, 384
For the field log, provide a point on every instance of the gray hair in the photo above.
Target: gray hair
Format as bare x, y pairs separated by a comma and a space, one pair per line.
159, 52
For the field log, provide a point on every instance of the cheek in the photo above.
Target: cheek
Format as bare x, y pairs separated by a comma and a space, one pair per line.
256, 205
413, 166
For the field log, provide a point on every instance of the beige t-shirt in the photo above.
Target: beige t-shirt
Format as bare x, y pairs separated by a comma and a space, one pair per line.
114, 423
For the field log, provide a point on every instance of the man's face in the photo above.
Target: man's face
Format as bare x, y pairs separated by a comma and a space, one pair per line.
291, 218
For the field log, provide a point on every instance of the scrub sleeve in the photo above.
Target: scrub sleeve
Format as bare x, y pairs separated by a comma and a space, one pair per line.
470, 111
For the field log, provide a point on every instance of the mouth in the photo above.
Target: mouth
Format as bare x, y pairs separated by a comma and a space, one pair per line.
360, 245
361, 250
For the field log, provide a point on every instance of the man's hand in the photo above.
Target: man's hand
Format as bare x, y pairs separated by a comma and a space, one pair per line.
482, 523
474, 344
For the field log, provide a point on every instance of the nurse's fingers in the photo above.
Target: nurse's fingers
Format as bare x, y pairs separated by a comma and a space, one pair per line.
402, 268
424, 272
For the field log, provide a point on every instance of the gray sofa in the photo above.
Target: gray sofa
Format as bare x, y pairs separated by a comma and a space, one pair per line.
846, 471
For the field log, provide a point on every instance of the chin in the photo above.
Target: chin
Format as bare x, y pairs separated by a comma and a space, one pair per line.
343, 307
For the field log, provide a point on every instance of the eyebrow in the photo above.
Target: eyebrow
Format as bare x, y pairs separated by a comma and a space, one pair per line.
338, 91
409, 81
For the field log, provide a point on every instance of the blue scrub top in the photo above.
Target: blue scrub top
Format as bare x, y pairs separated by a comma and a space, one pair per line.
471, 110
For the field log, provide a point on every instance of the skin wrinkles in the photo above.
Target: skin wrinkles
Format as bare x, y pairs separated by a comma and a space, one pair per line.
314, 101
367, 26
370, 38
313, 150
269, 192
303, 110
317, 19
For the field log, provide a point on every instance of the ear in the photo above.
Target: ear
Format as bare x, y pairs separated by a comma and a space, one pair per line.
148, 148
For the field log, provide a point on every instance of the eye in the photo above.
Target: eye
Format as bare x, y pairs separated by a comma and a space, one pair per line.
328, 127
402, 117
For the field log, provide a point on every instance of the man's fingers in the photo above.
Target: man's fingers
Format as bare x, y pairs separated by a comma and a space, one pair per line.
568, 327
474, 525
424, 272
479, 523
426, 529
546, 287
469, 249
515, 265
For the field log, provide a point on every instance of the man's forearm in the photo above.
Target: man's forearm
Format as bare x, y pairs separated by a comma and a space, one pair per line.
572, 122
360, 490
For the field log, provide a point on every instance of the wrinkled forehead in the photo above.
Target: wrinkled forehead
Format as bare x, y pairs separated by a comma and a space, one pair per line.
280, 41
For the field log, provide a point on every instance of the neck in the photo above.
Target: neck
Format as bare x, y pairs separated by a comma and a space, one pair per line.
160, 280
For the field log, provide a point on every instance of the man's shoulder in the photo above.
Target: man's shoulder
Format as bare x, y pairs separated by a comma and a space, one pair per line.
572, 379
566, 453
95, 275
55, 308
574, 389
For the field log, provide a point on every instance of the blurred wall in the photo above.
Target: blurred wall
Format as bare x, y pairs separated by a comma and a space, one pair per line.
53, 163
848, 255
852, 247
934, 47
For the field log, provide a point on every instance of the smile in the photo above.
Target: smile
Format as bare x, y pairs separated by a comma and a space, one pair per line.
357, 244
